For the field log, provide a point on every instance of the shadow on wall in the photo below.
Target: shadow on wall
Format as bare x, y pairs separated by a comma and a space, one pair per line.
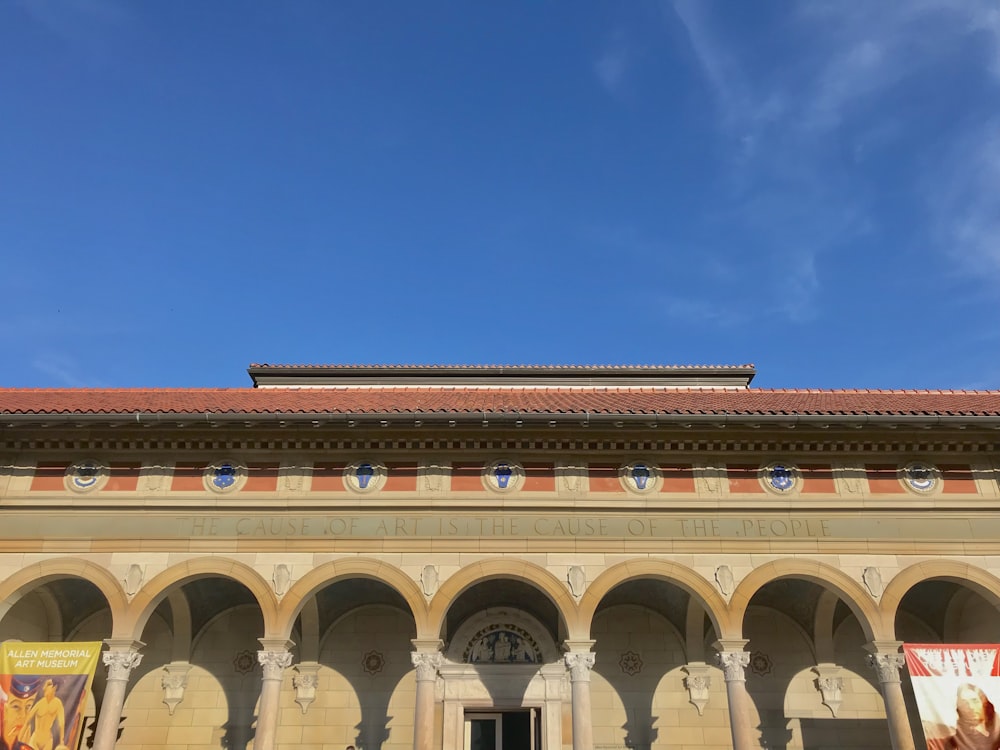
834, 734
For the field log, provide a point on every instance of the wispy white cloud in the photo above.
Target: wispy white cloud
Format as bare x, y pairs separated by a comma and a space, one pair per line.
612, 65
789, 126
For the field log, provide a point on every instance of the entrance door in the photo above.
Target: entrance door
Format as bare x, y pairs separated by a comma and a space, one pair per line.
503, 730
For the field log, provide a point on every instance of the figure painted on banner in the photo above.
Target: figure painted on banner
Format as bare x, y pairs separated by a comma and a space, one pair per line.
16, 710
977, 726
48, 714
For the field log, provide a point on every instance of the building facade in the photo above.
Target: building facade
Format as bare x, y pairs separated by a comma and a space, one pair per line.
500, 558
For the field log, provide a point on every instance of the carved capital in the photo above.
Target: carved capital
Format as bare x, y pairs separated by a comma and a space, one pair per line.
734, 664
121, 663
426, 663
304, 680
830, 685
698, 682
174, 681
886, 666
579, 664
274, 663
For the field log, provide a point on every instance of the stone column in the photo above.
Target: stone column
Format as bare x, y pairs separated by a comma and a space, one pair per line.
121, 658
274, 659
426, 660
579, 663
733, 660
885, 659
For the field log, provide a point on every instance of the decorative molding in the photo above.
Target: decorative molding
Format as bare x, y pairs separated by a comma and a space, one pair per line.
724, 579
576, 577
503, 476
698, 683
373, 662
734, 664
305, 678
244, 662
830, 684
630, 663
121, 663
579, 664
873, 581
365, 477
502, 643
429, 580
426, 663
274, 663
760, 663
174, 681
281, 579
886, 666
134, 577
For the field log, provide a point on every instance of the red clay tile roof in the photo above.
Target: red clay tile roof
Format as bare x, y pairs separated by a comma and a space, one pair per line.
446, 401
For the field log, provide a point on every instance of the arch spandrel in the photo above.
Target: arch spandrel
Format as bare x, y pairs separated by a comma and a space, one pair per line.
349, 567
826, 576
982, 582
153, 591
670, 572
39, 573
520, 570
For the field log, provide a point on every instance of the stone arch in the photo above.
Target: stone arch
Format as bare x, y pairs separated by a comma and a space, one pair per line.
826, 576
349, 567
664, 570
40, 573
984, 583
153, 591
520, 570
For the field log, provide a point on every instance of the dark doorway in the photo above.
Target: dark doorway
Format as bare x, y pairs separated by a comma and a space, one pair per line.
503, 730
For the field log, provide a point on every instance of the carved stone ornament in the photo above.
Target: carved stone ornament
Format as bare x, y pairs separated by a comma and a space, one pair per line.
121, 663
426, 663
365, 476
576, 577
712, 479
698, 682
86, 476
225, 476
830, 685
724, 578
873, 581
734, 664
281, 579
503, 476
133, 579
243, 662
886, 666
305, 678
429, 580
274, 663
372, 662
630, 663
173, 681
579, 664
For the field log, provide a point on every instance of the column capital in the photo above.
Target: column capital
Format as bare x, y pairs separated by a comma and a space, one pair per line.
579, 664
121, 657
732, 658
885, 659
886, 666
426, 663
274, 663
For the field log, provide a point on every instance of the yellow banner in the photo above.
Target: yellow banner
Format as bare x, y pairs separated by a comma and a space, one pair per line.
43, 690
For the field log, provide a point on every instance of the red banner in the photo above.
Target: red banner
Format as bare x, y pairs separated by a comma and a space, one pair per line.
957, 688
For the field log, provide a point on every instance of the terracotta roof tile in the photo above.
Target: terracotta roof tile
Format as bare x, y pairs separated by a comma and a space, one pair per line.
528, 401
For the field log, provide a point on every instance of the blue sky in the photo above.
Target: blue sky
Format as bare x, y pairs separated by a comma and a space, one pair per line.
187, 187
